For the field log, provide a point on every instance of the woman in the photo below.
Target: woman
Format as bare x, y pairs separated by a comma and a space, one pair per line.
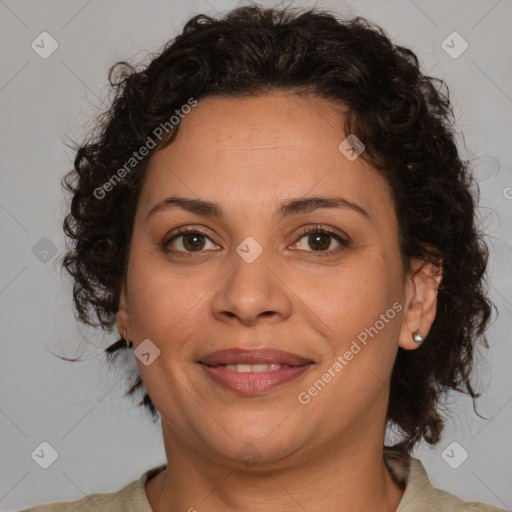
275, 217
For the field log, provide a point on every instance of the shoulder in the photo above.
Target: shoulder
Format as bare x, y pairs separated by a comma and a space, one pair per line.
419, 494
131, 498
446, 501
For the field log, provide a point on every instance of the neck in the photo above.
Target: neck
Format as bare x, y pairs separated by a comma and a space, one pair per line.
348, 478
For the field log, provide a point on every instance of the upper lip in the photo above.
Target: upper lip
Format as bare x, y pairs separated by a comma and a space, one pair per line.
253, 356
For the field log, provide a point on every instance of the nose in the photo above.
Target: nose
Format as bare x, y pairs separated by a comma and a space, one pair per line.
251, 292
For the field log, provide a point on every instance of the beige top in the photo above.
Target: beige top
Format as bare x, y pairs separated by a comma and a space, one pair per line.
419, 495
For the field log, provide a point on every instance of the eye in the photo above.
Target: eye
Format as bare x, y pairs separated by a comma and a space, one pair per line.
320, 239
188, 240
192, 240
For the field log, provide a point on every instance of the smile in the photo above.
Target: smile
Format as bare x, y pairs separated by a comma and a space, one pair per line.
253, 379
255, 368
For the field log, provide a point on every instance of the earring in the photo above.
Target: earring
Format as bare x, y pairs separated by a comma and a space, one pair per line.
128, 344
417, 337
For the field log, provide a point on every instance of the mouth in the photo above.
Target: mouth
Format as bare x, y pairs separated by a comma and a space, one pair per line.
253, 372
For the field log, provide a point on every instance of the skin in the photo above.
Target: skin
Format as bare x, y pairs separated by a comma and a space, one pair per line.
250, 155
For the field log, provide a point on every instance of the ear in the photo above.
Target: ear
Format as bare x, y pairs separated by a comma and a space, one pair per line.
123, 314
421, 287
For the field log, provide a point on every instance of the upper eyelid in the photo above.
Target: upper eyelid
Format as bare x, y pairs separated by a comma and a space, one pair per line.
184, 230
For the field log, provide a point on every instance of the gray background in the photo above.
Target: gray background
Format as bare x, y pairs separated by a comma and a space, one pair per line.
104, 442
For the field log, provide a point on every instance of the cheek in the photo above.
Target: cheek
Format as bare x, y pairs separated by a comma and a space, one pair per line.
350, 304
163, 302
352, 297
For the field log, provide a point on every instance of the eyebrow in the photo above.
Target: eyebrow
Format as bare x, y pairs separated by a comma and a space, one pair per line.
290, 207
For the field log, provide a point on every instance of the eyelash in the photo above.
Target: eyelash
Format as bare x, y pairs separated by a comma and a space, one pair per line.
345, 242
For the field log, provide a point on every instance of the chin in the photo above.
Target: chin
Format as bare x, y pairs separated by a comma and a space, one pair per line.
257, 454
258, 446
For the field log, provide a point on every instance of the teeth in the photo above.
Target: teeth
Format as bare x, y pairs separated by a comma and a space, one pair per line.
255, 368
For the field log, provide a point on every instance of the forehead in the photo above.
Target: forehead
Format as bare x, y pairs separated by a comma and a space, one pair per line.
253, 152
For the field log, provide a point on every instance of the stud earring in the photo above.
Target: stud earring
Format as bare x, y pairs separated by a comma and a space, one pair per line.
417, 337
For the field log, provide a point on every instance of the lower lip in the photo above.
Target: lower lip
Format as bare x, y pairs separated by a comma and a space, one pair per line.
252, 383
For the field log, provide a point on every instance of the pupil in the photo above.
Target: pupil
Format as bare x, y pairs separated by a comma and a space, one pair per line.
196, 241
318, 239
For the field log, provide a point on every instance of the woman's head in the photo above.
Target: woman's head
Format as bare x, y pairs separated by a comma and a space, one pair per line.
252, 113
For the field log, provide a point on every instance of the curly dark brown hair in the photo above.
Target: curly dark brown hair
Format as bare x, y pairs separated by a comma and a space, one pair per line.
405, 120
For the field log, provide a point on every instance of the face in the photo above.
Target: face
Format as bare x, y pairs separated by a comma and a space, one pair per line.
265, 268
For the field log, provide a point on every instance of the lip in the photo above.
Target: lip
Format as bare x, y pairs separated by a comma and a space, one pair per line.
252, 383
253, 356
